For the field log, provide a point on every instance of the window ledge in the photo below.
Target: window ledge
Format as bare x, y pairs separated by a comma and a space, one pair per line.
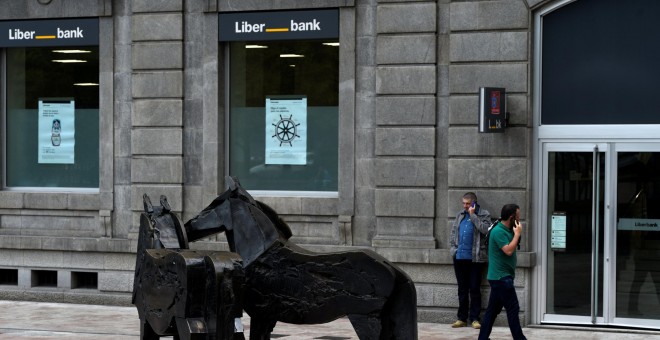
50, 200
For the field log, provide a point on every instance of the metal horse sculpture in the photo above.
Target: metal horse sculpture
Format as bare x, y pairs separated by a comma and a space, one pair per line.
287, 283
181, 292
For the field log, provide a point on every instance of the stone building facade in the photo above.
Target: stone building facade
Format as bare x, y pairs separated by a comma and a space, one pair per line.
409, 146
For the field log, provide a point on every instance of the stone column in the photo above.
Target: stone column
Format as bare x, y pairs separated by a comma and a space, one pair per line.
406, 90
157, 105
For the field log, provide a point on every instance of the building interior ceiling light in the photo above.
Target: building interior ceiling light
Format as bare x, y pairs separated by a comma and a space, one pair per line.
71, 51
69, 61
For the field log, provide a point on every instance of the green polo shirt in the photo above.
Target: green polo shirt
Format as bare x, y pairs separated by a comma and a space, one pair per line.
499, 263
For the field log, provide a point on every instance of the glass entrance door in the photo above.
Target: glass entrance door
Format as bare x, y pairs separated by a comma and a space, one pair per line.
575, 190
637, 235
600, 227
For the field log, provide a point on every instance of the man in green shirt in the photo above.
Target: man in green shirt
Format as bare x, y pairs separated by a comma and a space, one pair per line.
502, 244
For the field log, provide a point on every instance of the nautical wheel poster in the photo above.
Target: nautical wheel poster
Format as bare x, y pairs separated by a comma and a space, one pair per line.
286, 130
56, 131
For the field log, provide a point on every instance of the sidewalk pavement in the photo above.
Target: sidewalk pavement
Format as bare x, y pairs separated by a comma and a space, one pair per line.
37, 320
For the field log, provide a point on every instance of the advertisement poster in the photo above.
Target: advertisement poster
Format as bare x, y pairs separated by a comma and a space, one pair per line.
286, 130
56, 131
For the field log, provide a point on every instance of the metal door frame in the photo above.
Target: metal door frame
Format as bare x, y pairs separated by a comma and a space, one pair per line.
542, 235
610, 150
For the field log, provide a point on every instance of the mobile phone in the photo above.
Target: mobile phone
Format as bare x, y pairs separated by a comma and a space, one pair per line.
474, 204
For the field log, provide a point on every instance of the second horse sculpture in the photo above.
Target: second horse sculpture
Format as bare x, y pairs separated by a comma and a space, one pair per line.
287, 283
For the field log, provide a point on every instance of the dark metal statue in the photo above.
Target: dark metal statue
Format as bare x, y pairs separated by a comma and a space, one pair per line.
287, 283
180, 292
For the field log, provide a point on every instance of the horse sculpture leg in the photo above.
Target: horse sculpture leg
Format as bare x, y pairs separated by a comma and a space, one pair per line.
260, 328
398, 321
365, 326
146, 332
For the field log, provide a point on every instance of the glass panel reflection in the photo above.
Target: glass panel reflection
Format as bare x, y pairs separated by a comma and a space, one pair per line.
638, 235
570, 196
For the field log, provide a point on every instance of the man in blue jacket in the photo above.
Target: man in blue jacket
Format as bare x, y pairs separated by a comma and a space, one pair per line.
468, 249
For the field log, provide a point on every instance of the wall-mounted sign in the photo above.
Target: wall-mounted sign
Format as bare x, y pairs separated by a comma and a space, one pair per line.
57, 131
644, 224
276, 25
286, 130
558, 231
37, 33
492, 109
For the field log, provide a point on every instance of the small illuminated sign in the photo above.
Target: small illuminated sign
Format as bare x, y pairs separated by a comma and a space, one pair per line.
492, 109
644, 224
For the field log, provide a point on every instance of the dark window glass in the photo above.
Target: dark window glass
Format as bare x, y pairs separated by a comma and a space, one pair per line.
600, 63
284, 70
66, 75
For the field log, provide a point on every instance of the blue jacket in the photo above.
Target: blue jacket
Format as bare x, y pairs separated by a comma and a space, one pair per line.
481, 223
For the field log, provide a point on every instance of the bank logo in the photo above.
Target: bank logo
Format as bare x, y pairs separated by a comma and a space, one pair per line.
247, 27
18, 34
278, 25
42, 33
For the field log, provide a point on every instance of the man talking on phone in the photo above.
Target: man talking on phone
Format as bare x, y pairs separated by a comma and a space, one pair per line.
502, 245
468, 250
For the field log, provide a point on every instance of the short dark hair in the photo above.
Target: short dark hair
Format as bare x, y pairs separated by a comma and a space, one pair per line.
471, 196
509, 210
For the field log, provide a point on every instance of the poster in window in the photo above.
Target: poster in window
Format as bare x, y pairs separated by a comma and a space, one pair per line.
558, 231
56, 131
286, 130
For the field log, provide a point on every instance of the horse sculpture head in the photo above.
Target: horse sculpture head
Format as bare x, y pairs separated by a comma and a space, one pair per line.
251, 227
159, 227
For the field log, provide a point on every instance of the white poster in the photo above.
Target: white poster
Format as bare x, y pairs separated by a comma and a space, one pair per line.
56, 131
286, 130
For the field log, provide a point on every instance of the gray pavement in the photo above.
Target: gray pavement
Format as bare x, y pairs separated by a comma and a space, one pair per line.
36, 320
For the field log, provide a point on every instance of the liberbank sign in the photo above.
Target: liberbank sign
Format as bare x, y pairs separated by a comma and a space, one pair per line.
285, 25
38, 33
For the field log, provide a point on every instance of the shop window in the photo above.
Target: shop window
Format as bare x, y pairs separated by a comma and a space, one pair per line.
284, 114
51, 105
283, 99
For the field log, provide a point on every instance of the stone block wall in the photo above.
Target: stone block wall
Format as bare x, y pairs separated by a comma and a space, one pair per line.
409, 80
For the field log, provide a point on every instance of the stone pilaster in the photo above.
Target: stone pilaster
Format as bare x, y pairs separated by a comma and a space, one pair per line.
406, 89
156, 138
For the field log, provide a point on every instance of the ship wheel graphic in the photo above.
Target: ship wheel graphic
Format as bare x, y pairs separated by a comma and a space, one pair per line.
285, 130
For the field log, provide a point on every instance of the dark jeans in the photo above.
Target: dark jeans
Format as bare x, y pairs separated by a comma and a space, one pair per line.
502, 294
468, 277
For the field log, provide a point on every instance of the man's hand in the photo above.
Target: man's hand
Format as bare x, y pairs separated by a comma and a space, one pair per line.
510, 248
517, 229
471, 210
